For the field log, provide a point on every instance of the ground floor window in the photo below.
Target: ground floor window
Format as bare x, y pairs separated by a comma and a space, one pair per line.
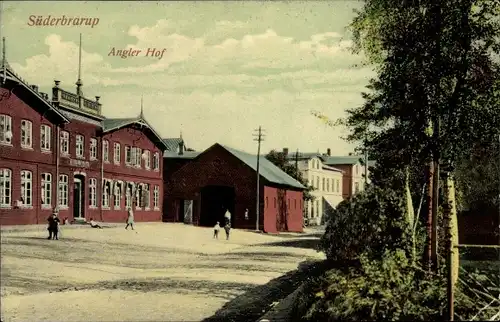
138, 197
46, 190
106, 194
5, 187
26, 188
128, 197
147, 197
63, 191
156, 197
93, 193
117, 196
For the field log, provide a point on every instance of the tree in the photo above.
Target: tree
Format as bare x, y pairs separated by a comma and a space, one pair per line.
281, 161
437, 63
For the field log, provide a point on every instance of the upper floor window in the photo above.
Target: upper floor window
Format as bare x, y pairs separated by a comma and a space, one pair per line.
26, 188
5, 187
26, 134
45, 137
317, 182
147, 159
46, 191
5, 129
64, 143
323, 184
338, 185
116, 153
80, 142
128, 155
93, 149
356, 187
328, 185
138, 157
105, 151
156, 161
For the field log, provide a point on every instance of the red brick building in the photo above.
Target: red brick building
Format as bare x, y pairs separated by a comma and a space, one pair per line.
64, 153
220, 178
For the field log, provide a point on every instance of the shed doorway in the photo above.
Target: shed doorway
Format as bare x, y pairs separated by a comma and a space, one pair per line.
215, 200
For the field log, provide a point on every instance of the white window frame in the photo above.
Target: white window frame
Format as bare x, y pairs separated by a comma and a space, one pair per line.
45, 137
105, 151
26, 134
138, 157
338, 185
117, 197
106, 195
156, 198
26, 189
147, 197
138, 196
147, 163
93, 193
128, 155
156, 161
63, 191
64, 142
5, 126
128, 196
5, 188
80, 146
117, 153
46, 191
93, 149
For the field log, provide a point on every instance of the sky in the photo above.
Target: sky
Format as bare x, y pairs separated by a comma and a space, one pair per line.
228, 68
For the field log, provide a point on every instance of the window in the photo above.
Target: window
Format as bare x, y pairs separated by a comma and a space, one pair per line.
63, 191
156, 161
317, 182
5, 187
128, 155
80, 142
328, 185
46, 190
138, 156
333, 187
312, 209
147, 161
45, 137
156, 197
93, 193
133, 156
356, 187
147, 197
105, 151
106, 194
5, 130
93, 149
138, 197
295, 202
128, 197
26, 134
317, 208
117, 194
64, 143
357, 169
274, 202
338, 185
116, 153
323, 184
26, 188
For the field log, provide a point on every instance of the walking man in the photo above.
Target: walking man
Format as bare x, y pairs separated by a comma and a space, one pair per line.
227, 228
53, 225
130, 218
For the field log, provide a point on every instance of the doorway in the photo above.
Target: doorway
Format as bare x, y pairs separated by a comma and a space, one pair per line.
215, 200
78, 198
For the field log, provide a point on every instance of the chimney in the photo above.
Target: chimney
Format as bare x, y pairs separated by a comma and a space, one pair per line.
328, 152
57, 83
97, 99
285, 151
181, 147
35, 88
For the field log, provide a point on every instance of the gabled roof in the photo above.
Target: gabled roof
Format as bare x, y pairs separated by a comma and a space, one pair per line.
12, 76
267, 169
113, 124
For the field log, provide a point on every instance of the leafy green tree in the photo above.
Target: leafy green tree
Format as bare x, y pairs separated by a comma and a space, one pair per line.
281, 161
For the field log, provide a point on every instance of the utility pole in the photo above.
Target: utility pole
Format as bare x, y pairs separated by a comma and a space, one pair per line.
435, 195
259, 138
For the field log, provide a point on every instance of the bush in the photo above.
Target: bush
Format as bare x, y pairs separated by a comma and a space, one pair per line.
371, 223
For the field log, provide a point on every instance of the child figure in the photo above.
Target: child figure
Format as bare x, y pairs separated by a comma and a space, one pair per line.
227, 228
216, 230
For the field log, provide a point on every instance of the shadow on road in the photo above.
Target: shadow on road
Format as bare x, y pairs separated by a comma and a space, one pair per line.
251, 305
296, 243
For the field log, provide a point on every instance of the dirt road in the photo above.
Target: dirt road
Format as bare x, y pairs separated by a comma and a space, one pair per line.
164, 272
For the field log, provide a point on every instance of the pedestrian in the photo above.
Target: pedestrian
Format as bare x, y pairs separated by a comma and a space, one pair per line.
216, 230
227, 228
246, 214
130, 218
227, 216
53, 225
93, 224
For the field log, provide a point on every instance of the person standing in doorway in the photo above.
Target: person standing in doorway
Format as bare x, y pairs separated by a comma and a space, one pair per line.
246, 214
227, 217
130, 218
216, 230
